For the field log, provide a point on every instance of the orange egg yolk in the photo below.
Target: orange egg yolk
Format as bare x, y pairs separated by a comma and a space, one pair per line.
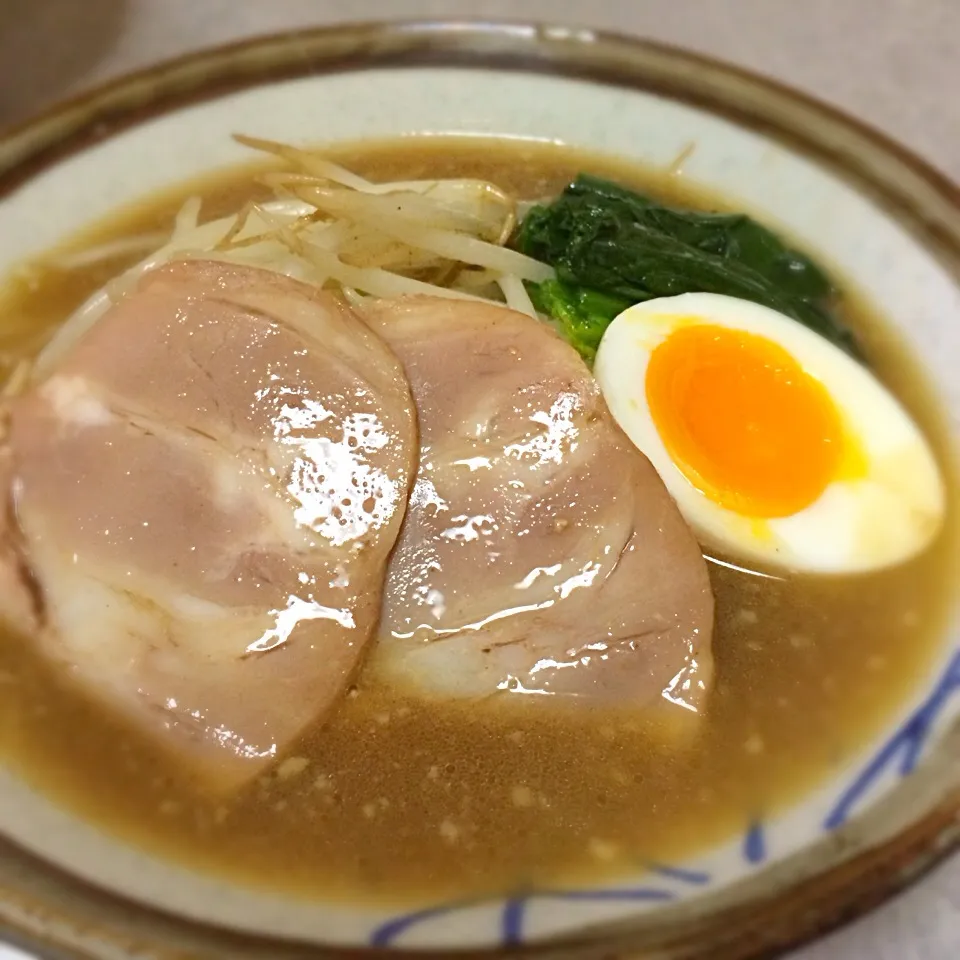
743, 421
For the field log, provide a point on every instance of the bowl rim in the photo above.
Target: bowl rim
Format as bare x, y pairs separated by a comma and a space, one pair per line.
919, 196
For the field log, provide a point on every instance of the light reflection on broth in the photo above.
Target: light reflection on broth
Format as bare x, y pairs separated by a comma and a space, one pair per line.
395, 797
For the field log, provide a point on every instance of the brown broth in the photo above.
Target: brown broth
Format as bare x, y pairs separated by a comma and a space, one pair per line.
397, 799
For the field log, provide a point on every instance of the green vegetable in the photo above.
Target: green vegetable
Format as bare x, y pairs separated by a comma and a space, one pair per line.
612, 247
582, 315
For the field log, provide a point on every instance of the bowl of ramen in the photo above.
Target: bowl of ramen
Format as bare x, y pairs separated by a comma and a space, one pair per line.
468, 488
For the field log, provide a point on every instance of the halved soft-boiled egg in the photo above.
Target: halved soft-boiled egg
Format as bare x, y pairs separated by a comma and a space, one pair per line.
776, 445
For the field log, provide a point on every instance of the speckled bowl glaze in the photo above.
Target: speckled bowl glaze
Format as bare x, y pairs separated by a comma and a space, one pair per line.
888, 222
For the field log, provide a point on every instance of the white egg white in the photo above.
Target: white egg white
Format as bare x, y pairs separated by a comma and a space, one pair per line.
882, 517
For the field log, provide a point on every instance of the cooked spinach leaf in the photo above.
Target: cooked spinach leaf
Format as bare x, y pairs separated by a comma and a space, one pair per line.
608, 242
582, 315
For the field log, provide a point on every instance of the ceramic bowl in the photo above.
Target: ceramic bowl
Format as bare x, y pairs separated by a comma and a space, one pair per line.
888, 222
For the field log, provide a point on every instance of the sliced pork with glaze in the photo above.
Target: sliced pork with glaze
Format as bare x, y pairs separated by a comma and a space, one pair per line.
541, 553
206, 492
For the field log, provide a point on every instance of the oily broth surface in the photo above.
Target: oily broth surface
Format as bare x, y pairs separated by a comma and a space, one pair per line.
400, 799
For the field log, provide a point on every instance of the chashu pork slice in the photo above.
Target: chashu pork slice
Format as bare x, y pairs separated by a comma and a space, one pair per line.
541, 553
204, 495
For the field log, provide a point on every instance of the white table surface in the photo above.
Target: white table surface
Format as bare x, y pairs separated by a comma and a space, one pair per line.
894, 63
